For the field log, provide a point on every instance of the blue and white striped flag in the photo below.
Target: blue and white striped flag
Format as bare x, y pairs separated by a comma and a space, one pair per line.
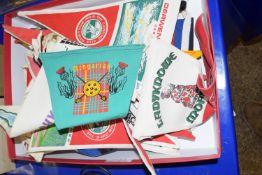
184, 33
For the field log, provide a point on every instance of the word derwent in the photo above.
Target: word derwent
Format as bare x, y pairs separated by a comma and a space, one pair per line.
162, 20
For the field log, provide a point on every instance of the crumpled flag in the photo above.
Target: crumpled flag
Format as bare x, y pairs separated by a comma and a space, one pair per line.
204, 37
55, 43
91, 85
25, 35
170, 100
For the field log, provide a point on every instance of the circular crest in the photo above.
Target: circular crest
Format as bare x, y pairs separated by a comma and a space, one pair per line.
99, 131
91, 29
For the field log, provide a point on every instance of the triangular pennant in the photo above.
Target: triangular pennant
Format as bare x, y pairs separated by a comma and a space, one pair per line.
185, 134
24, 34
118, 23
93, 28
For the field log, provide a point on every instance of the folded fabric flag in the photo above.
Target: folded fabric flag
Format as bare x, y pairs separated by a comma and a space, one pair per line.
163, 144
118, 23
101, 135
197, 54
34, 113
203, 36
91, 85
170, 100
36, 109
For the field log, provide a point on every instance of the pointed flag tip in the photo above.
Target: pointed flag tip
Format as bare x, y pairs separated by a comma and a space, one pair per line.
24, 34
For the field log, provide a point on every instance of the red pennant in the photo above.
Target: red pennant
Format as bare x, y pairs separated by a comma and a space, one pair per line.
33, 67
113, 134
24, 34
93, 28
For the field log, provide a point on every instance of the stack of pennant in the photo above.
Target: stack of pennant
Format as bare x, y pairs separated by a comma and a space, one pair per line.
98, 74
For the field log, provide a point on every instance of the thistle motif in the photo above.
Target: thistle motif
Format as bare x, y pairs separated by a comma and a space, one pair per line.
66, 89
117, 80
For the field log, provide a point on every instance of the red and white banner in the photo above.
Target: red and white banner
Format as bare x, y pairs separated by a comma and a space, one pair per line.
93, 28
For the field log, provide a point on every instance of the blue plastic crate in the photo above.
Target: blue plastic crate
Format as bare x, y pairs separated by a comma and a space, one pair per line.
226, 164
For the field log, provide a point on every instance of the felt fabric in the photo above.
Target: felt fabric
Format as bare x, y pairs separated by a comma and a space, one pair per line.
170, 100
91, 85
